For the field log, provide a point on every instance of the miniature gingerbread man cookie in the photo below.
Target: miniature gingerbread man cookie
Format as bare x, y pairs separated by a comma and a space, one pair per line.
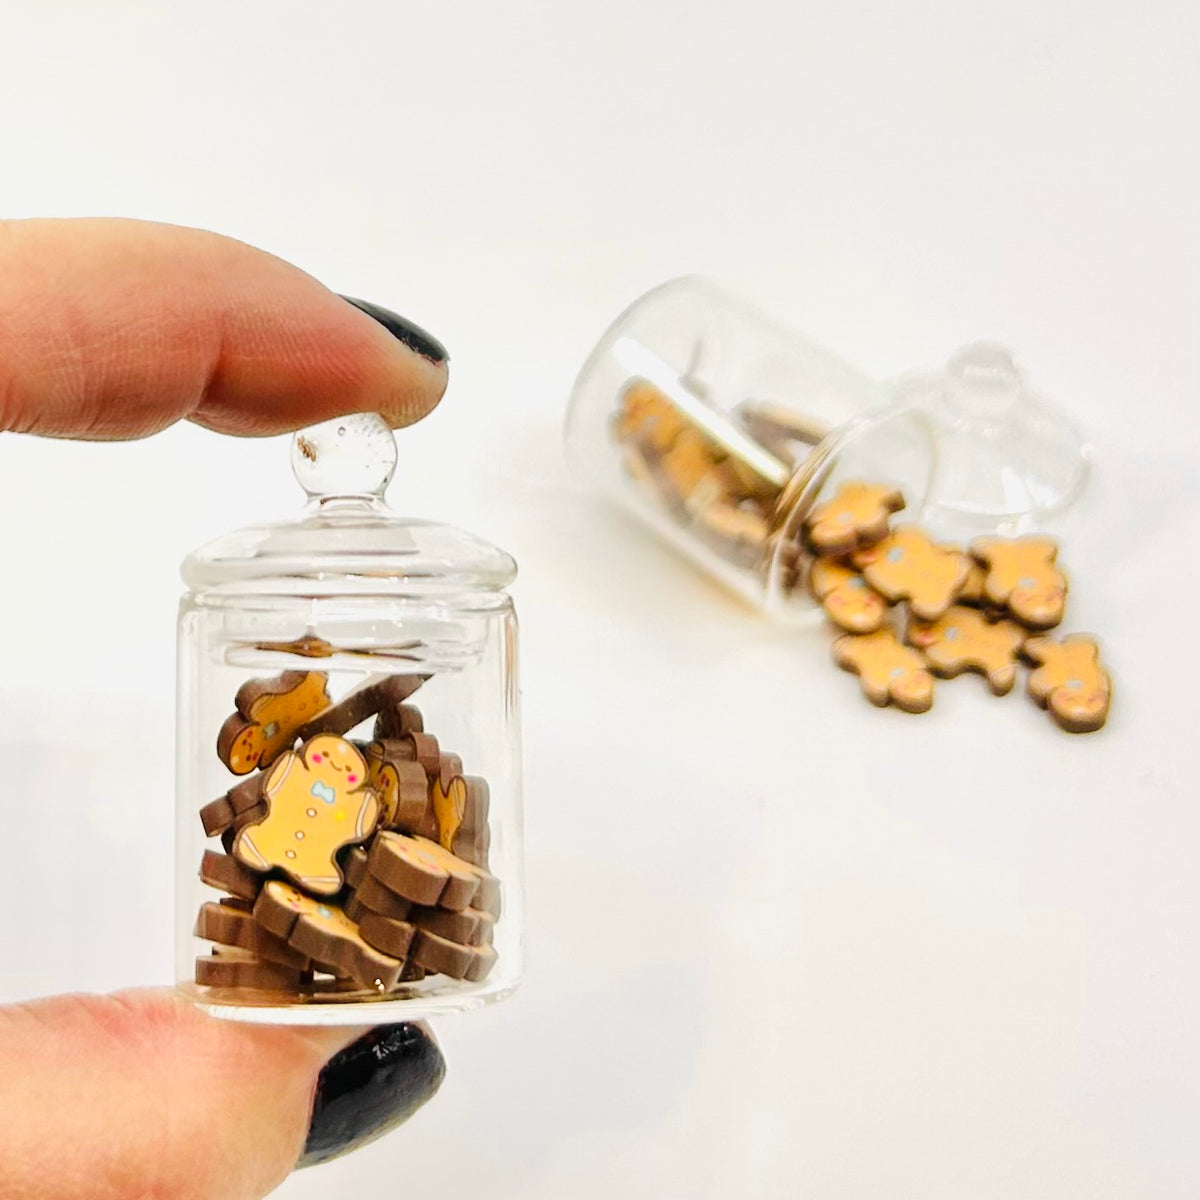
1022, 577
324, 933
1069, 681
648, 417
848, 602
317, 802
857, 515
906, 565
963, 639
889, 672
269, 713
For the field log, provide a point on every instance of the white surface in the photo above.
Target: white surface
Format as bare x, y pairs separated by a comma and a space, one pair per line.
781, 944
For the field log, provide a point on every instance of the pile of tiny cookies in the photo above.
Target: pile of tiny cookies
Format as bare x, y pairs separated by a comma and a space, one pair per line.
347, 867
978, 611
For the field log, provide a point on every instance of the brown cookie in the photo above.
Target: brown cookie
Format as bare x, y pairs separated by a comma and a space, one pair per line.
906, 565
401, 783
444, 957
421, 871
369, 698
1022, 577
397, 721
738, 530
385, 933
244, 971
1069, 681
308, 646
425, 751
318, 802
226, 874
470, 927
856, 515
371, 895
889, 672
269, 714
847, 599
963, 639
236, 808
323, 932
485, 960
235, 927
354, 865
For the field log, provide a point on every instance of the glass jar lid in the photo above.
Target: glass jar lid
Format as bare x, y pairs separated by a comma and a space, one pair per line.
347, 539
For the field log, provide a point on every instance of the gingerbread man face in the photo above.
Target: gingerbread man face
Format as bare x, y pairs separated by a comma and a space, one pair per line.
963, 639
906, 565
848, 602
1021, 575
890, 673
1070, 681
856, 516
317, 802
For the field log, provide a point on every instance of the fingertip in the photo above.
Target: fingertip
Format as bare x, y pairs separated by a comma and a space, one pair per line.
160, 1091
115, 329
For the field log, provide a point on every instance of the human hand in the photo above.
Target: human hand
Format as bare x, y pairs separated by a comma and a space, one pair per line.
117, 329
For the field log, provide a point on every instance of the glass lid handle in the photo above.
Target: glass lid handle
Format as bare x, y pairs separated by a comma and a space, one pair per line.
348, 456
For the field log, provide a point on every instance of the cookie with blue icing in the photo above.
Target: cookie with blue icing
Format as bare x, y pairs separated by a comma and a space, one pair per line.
1021, 576
321, 931
1069, 681
270, 713
888, 671
856, 515
963, 639
318, 801
849, 602
908, 565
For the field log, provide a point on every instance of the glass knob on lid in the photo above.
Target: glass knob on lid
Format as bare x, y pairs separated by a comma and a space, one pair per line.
349, 456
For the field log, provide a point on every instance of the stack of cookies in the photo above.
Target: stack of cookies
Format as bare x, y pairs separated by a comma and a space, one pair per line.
347, 866
983, 609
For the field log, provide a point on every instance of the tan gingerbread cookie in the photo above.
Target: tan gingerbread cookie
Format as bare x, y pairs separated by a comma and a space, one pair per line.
1069, 681
322, 931
889, 672
318, 801
847, 599
906, 565
1022, 577
648, 418
269, 714
963, 639
856, 515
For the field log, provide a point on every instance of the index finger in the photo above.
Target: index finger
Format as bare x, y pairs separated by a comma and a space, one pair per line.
116, 329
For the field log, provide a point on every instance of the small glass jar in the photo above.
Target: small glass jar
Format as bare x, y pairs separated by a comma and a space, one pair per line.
349, 833
721, 430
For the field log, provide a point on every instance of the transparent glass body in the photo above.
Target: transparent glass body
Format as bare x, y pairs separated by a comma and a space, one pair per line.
721, 429
349, 840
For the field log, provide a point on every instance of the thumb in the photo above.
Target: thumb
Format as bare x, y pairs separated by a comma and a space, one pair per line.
141, 1094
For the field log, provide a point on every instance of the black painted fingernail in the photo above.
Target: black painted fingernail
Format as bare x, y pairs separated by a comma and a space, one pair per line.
413, 336
369, 1088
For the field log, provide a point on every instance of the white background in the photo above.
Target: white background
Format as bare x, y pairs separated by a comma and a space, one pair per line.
781, 944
